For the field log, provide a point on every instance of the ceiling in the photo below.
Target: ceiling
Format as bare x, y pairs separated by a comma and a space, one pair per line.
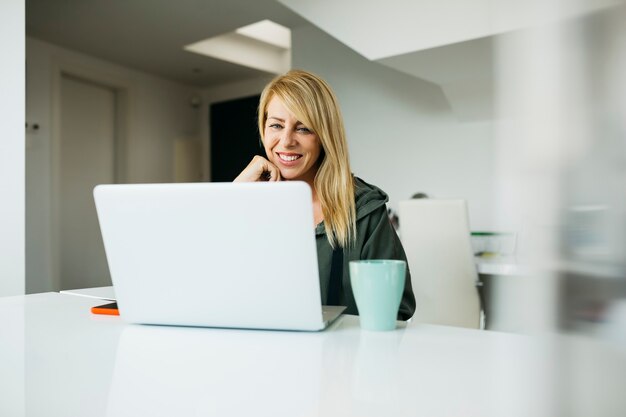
149, 35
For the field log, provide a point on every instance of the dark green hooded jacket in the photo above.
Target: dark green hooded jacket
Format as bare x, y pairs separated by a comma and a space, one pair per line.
375, 239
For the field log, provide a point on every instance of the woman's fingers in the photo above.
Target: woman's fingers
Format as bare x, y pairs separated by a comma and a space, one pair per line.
259, 169
274, 172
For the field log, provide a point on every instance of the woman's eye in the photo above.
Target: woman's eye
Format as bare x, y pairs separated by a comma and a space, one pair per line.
304, 130
275, 126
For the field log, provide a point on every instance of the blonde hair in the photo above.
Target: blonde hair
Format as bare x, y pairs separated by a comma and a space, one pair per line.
314, 104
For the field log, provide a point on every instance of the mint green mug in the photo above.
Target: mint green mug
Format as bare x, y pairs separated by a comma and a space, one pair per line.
378, 285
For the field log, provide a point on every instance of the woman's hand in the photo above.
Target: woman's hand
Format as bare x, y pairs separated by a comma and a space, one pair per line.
259, 169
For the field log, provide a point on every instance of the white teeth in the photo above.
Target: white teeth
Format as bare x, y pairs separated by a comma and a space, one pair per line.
288, 158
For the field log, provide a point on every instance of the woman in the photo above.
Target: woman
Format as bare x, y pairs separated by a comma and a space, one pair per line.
303, 135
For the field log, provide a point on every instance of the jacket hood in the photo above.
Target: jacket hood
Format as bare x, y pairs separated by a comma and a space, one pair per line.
367, 197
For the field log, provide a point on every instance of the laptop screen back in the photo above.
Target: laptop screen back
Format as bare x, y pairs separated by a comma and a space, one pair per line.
212, 254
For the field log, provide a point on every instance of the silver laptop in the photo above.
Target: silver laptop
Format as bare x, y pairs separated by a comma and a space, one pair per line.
240, 255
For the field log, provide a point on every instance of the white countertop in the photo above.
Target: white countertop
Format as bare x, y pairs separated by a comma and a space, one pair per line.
499, 265
102, 293
58, 359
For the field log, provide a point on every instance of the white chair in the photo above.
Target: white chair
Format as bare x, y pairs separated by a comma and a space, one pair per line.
436, 238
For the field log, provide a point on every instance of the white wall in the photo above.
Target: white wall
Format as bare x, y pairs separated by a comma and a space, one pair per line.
402, 134
12, 148
159, 113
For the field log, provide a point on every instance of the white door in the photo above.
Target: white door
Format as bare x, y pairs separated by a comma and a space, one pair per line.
87, 158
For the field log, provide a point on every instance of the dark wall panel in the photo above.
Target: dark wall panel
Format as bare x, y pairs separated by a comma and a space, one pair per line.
234, 137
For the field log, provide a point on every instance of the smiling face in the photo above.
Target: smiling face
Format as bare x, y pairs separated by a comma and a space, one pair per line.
289, 144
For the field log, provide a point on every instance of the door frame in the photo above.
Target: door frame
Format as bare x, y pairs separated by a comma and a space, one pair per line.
123, 93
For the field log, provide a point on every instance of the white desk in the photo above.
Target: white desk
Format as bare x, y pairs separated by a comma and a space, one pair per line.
499, 265
502, 275
57, 359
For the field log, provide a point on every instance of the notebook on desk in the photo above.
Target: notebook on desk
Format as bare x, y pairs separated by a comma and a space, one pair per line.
240, 255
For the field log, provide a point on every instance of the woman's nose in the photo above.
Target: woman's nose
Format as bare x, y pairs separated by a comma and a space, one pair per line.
287, 138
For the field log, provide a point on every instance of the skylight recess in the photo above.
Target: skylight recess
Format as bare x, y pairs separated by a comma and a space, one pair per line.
264, 45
